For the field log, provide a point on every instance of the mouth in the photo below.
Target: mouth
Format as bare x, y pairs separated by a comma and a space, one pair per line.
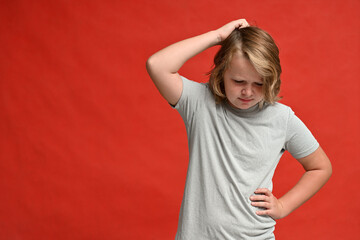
245, 100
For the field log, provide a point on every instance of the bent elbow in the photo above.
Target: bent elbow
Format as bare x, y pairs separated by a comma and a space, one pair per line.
153, 64
327, 171
330, 169
149, 64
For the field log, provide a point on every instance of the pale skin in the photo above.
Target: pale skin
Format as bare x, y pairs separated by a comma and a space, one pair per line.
243, 90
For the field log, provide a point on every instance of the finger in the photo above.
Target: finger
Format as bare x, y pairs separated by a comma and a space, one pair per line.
261, 204
264, 212
244, 23
260, 198
265, 191
240, 23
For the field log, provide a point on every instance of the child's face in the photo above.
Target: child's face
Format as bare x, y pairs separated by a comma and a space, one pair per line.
243, 85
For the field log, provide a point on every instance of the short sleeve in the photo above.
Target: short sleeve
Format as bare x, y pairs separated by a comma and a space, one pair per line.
299, 140
191, 99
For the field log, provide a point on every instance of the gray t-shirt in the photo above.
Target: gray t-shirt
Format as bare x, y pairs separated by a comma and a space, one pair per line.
232, 153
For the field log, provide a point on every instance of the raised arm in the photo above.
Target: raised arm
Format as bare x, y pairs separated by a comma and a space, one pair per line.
163, 66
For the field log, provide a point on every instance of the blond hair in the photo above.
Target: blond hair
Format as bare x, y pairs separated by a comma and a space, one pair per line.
260, 49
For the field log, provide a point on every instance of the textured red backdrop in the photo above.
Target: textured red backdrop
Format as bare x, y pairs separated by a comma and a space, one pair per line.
90, 150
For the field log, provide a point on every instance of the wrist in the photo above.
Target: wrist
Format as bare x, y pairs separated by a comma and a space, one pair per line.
216, 36
284, 210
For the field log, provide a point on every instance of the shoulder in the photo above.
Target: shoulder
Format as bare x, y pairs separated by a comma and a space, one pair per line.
277, 109
280, 107
193, 85
194, 94
277, 115
195, 90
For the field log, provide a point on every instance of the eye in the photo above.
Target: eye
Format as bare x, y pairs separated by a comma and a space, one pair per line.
238, 81
258, 84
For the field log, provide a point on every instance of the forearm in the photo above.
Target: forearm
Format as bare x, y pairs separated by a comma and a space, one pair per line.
306, 187
171, 58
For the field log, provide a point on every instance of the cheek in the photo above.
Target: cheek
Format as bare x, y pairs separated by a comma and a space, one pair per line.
227, 92
227, 88
259, 92
230, 91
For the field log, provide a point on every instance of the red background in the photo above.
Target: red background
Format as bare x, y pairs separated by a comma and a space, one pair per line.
90, 150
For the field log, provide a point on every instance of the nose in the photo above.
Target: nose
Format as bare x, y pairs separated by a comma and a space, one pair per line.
247, 91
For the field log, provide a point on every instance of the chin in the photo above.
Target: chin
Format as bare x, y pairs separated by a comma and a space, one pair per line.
245, 107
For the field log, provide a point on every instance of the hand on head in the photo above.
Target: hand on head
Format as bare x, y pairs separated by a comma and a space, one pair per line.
225, 30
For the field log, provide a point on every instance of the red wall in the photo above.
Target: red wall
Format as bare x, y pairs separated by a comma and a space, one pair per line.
90, 150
